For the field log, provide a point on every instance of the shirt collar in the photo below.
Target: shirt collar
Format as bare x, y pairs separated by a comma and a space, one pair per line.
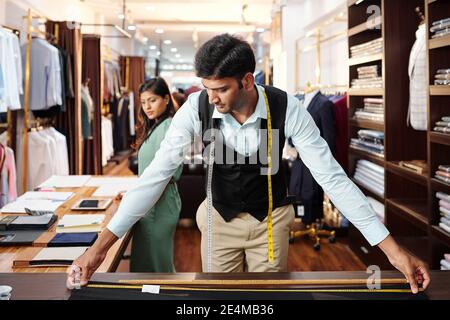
260, 110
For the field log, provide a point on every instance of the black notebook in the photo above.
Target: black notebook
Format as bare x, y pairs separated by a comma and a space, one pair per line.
18, 237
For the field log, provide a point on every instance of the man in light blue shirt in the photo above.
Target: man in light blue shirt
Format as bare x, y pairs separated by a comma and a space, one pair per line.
237, 108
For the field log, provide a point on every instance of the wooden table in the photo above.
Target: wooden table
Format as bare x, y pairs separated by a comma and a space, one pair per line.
9, 254
52, 286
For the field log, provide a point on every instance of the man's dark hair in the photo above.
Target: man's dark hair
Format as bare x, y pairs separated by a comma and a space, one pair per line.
225, 56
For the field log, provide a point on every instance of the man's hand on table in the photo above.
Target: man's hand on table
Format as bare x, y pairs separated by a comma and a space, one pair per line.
84, 267
414, 269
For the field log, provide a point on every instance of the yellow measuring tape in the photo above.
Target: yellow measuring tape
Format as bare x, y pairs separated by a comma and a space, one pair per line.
139, 287
269, 183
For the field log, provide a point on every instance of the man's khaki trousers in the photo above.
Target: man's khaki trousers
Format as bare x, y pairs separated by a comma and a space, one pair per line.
241, 244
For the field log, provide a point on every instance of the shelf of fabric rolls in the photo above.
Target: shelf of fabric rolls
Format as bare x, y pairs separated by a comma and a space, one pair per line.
366, 59
440, 90
367, 124
440, 234
394, 167
440, 42
366, 92
367, 156
441, 138
368, 192
415, 210
440, 186
368, 25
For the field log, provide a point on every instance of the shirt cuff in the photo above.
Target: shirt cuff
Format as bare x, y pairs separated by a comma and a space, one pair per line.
375, 232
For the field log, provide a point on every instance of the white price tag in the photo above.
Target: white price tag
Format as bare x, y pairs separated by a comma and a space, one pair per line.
150, 289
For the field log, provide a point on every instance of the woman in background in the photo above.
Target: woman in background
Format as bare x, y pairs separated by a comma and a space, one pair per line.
153, 235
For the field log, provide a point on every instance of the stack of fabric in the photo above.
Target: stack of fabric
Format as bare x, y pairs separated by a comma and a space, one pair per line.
370, 176
442, 77
366, 49
440, 28
368, 77
445, 263
369, 141
373, 110
443, 125
444, 209
378, 207
443, 173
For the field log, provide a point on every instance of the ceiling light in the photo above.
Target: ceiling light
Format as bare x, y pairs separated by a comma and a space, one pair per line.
260, 30
152, 47
158, 53
173, 49
167, 42
145, 39
159, 30
178, 55
131, 27
121, 16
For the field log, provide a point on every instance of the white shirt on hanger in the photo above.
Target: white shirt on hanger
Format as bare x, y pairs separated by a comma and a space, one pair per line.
62, 151
40, 161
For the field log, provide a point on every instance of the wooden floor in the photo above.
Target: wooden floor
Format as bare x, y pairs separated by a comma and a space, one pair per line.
302, 256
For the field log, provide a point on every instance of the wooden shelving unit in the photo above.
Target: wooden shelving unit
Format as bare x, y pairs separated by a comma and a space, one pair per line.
438, 143
406, 198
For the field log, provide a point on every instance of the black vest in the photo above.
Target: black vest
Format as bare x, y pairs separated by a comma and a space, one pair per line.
240, 187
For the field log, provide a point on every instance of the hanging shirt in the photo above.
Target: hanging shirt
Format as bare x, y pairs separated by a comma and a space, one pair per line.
11, 71
40, 160
418, 84
45, 75
62, 151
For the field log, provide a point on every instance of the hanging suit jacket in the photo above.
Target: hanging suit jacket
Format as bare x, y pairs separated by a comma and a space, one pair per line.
418, 84
302, 183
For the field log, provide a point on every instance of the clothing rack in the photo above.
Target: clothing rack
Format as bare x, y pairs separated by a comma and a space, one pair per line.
31, 31
316, 32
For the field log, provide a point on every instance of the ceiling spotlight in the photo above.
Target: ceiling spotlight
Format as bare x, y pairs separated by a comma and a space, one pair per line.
152, 47
131, 27
158, 53
159, 30
167, 42
178, 55
173, 50
121, 16
260, 30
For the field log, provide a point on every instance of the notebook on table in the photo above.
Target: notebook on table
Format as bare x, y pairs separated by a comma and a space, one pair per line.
18, 237
73, 239
80, 223
48, 257
16, 222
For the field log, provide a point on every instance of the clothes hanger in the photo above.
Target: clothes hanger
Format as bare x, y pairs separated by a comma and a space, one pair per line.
421, 15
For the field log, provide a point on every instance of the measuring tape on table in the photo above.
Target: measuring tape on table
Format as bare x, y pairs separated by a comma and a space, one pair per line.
273, 290
270, 250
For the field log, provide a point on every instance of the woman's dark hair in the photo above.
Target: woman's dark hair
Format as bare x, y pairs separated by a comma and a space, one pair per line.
225, 56
144, 125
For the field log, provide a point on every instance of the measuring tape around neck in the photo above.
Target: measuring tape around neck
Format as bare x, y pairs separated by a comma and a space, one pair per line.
270, 253
209, 200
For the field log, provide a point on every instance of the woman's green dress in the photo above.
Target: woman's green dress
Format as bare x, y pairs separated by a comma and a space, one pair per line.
153, 235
